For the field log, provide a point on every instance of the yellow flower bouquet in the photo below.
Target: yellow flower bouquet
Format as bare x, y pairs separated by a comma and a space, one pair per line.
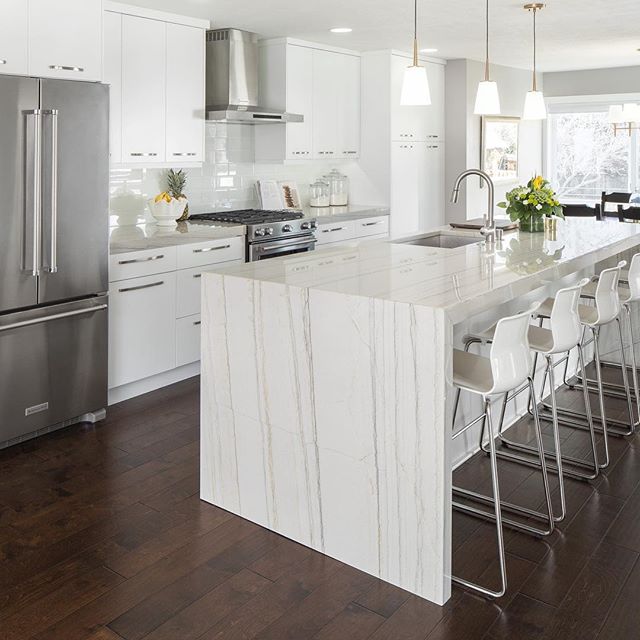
531, 204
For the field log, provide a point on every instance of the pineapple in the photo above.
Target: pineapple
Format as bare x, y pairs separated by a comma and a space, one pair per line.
176, 182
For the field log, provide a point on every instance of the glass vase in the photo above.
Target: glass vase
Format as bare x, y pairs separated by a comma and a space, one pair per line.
532, 224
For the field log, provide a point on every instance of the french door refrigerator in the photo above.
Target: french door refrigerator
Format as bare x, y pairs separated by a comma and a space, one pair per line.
54, 176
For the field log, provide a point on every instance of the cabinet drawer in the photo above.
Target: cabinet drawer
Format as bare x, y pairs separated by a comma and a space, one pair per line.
188, 340
142, 325
335, 232
211, 252
141, 263
371, 226
189, 283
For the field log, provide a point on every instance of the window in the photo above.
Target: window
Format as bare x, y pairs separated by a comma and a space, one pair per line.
586, 158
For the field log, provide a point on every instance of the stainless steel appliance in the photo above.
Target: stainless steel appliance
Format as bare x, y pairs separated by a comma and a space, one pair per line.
232, 80
270, 234
54, 176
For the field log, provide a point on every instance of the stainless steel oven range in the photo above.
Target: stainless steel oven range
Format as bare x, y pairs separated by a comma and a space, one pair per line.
269, 233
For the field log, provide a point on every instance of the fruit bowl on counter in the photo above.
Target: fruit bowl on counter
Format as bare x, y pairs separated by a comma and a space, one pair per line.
167, 210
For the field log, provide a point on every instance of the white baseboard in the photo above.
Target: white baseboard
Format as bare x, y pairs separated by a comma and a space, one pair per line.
140, 387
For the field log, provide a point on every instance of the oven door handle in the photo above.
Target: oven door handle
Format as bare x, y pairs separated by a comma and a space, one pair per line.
262, 249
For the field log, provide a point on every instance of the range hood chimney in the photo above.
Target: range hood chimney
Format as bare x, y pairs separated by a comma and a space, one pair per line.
232, 80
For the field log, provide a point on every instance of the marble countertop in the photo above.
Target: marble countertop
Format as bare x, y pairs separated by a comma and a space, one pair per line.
350, 212
151, 236
462, 281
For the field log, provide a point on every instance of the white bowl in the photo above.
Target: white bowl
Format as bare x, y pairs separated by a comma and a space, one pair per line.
167, 213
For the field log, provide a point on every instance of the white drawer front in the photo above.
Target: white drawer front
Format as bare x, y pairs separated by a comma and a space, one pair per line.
187, 340
334, 232
211, 252
372, 227
136, 264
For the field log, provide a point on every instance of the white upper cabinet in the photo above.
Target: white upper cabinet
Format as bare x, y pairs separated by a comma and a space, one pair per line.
299, 99
112, 75
349, 115
143, 90
65, 39
13, 36
323, 86
185, 94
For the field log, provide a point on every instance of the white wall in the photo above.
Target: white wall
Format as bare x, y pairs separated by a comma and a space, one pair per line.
463, 132
592, 82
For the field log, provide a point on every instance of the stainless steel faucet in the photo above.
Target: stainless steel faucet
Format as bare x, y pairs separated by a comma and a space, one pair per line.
489, 228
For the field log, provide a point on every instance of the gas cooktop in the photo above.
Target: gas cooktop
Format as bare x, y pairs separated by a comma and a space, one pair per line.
248, 216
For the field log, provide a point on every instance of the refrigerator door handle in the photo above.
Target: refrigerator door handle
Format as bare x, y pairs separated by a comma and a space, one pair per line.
53, 265
55, 316
34, 165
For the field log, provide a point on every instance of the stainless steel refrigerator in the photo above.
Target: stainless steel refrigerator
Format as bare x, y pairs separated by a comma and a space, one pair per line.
54, 176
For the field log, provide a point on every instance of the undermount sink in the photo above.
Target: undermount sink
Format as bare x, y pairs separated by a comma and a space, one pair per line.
442, 241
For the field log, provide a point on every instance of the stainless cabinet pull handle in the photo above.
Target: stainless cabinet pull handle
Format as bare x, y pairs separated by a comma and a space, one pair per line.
61, 67
332, 230
371, 224
135, 260
143, 155
3, 61
197, 323
190, 154
142, 286
55, 316
207, 249
53, 113
198, 275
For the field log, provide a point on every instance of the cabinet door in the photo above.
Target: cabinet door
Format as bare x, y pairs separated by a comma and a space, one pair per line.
112, 72
432, 187
142, 328
434, 118
13, 37
348, 113
299, 100
143, 90
405, 188
185, 94
326, 69
65, 39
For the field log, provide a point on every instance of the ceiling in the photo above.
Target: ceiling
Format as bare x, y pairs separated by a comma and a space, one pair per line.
572, 34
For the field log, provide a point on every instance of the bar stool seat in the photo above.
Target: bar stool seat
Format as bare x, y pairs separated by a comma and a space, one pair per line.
588, 315
540, 339
589, 291
472, 372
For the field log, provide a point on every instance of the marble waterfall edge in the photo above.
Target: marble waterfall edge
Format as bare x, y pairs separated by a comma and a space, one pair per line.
320, 415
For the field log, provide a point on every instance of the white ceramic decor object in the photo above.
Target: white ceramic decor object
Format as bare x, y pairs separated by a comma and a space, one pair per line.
167, 213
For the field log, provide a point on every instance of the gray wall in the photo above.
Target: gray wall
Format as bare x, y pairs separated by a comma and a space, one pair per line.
463, 132
592, 82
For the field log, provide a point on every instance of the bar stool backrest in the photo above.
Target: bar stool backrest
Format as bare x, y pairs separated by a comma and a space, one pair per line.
607, 297
634, 277
565, 319
510, 354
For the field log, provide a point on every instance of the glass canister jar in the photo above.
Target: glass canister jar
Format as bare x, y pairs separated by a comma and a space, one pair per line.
339, 188
319, 194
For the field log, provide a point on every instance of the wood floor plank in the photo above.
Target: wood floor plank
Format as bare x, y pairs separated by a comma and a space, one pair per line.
383, 598
353, 622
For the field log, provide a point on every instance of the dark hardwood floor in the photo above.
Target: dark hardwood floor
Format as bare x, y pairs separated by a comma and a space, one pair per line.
103, 537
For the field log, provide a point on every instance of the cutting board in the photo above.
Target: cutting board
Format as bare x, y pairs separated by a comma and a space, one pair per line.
478, 223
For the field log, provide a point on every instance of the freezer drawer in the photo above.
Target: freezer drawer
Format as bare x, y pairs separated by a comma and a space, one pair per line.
52, 365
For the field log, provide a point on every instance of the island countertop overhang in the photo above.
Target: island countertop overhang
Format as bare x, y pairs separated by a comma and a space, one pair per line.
461, 282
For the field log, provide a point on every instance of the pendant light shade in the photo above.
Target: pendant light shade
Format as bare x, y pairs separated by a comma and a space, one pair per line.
487, 98
534, 105
415, 85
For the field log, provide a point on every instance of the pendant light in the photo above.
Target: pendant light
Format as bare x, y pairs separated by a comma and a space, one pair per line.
487, 98
415, 85
534, 106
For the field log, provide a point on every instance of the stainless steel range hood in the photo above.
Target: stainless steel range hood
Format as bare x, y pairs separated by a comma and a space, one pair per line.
232, 80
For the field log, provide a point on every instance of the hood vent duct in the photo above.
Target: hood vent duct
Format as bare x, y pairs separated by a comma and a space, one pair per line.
232, 80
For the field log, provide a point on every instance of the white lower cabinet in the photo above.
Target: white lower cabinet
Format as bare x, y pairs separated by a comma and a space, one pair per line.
142, 339
154, 312
335, 233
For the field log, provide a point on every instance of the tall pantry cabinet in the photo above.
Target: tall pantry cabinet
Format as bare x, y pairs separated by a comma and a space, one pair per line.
402, 149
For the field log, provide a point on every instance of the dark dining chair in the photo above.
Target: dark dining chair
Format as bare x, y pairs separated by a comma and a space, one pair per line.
581, 211
614, 197
628, 214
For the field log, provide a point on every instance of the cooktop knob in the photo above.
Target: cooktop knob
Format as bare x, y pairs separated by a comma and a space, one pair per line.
269, 231
314, 224
287, 228
306, 226
260, 232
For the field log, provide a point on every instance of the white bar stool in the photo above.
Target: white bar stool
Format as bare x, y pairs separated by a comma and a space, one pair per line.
506, 369
629, 292
606, 310
564, 334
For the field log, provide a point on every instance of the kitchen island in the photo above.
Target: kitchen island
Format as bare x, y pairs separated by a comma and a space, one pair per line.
326, 396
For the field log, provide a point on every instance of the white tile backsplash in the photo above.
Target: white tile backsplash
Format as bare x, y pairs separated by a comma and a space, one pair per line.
226, 180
